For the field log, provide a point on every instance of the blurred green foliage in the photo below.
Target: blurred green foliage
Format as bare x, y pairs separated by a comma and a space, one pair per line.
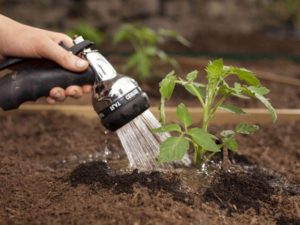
145, 43
87, 32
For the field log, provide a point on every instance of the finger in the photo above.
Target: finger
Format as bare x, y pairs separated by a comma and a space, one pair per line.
58, 94
59, 37
74, 91
86, 88
51, 101
51, 50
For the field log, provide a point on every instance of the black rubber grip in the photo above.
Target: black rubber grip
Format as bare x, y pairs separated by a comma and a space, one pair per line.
32, 79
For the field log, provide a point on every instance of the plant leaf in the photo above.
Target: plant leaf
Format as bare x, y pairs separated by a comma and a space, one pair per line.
203, 139
167, 85
232, 108
192, 75
246, 75
195, 89
167, 128
215, 70
230, 143
227, 133
258, 91
172, 149
245, 128
183, 115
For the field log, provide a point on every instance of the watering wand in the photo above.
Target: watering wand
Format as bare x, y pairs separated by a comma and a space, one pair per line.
116, 99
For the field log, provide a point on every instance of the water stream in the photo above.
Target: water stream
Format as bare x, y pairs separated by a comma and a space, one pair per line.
141, 144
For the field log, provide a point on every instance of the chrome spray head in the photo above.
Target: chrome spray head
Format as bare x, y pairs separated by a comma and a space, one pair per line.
117, 99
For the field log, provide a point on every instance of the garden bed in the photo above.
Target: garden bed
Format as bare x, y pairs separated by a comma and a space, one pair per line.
53, 171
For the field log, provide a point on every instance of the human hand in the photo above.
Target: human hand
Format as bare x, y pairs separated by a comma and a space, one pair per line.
20, 40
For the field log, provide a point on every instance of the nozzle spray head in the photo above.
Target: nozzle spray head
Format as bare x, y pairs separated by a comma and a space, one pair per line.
117, 99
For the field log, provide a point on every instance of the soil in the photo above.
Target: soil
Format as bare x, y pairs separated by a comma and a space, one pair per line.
57, 169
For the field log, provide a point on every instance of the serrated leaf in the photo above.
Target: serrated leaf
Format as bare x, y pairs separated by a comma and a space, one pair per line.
215, 67
192, 75
203, 139
227, 133
183, 115
167, 128
246, 75
245, 128
258, 94
261, 90
167, 85
230, 143
195, 89
232, 108
172, 149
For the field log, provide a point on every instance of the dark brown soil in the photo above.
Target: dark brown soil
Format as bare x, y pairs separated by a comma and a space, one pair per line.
53, 171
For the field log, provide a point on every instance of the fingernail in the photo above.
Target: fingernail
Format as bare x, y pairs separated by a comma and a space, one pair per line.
57, 94
80, 63
74, 93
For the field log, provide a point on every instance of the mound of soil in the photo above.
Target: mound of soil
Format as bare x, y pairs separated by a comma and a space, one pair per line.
57, 169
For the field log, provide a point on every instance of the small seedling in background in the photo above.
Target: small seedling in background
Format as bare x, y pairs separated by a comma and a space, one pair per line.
211, 97
145, 43
87, 32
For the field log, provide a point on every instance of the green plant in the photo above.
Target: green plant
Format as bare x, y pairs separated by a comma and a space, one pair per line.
144, 42
211, 97
87, 32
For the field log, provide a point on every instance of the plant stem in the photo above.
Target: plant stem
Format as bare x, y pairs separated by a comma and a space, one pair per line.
226, 162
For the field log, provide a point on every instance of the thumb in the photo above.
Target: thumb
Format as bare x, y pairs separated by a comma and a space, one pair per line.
51, 50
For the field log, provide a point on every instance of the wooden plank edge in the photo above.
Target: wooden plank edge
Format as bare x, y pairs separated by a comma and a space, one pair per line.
221, 117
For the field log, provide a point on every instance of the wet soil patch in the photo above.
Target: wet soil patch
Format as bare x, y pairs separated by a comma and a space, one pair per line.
99, 175
239, 191
284, 220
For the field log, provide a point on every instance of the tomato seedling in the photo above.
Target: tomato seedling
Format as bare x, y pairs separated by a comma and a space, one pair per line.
145, 43
211, 96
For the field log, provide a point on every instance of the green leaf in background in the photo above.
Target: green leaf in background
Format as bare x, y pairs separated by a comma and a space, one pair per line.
203, 139
230, 143
232, 108
172, 149
183, 115
124, 33
167, 85
175, 35
192, 75
87, 32
143, 66
245, 128
167, 128
227, 133
258, 91
246, 75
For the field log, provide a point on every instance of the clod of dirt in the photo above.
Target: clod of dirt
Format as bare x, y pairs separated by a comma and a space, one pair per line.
283, 220
239, 191
99, 175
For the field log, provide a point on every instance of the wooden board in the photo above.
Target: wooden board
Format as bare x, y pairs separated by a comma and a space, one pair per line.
222, 117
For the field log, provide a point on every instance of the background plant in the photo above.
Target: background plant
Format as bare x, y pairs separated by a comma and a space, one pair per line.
145, 42
211, 97
87, 32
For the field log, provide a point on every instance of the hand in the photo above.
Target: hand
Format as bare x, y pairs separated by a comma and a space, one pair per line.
20, 40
